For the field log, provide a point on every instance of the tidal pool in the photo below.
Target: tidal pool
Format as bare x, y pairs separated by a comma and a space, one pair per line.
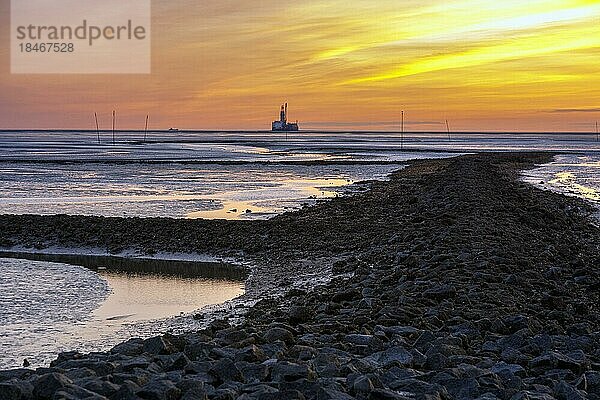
49, 307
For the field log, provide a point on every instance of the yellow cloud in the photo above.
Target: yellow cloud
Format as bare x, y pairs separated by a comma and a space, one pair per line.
461, 21
513, 49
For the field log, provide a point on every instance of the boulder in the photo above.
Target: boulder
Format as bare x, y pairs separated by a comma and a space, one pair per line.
157, 345
396, 355
555, 360
10, 391
159, 390
132, 347
48, 384
225, 370
278, 334
284, 371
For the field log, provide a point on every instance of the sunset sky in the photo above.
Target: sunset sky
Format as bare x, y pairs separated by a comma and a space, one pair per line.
485, 65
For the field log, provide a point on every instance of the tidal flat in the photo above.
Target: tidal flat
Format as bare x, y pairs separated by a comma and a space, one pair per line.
452, 280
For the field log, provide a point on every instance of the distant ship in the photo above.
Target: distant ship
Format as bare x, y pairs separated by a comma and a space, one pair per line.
173, 130
282, 124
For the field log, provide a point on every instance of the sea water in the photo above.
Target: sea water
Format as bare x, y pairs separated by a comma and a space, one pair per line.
187, 175
570, 174
228, 175
48, 307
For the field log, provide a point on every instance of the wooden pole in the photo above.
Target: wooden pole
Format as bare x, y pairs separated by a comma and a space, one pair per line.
146, 128
448, 129
597, 133
97, 127
402, 133
113, 128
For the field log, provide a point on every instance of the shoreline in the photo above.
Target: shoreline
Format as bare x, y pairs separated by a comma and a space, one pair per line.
451, 280
178, 267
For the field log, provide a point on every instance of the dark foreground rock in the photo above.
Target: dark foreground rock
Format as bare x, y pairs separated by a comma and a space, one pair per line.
453, 281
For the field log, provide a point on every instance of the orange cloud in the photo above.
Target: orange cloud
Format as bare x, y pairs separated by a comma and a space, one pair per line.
483, 63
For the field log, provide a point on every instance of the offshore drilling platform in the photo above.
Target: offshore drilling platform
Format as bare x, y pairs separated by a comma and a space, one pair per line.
282, 124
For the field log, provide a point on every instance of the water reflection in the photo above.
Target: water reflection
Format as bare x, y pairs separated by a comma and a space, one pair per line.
264, 202
570, 174
136, 297
568, 182
172, 190
49, 307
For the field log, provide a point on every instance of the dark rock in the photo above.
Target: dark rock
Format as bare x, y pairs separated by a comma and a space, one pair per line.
224, 394
488, 396
176, 362
346, 295
193, 384
48, 384
332, 394
157, 345
10, 391
225, 370
193, 395
20, 373
127, 391
287, 371
564, 391
515, 323
251, 354
392, 356
66, 356
278, 334
513, 369
555, 360
420, 388
302, 353
130, 364
529, 395
101, 368
360, 340
282, 395
299, 314
441, 292
362, 384
98, 386
198, 350
406, 331
159, 390
458, 388
74, 392
132, 347
253, 373
139, 377
385, 394
274, 350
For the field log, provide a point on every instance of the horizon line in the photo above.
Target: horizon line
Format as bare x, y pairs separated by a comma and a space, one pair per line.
184, 130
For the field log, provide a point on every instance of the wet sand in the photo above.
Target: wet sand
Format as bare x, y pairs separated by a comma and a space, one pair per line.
454, 280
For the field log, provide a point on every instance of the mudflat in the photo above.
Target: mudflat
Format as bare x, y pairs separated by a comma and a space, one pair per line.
452, 280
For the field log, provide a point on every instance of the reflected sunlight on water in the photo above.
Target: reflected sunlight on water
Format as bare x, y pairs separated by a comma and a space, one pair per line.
172, 190
570, 174
49, 307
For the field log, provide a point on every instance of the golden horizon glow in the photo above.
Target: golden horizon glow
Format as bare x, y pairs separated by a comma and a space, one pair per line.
483, 64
